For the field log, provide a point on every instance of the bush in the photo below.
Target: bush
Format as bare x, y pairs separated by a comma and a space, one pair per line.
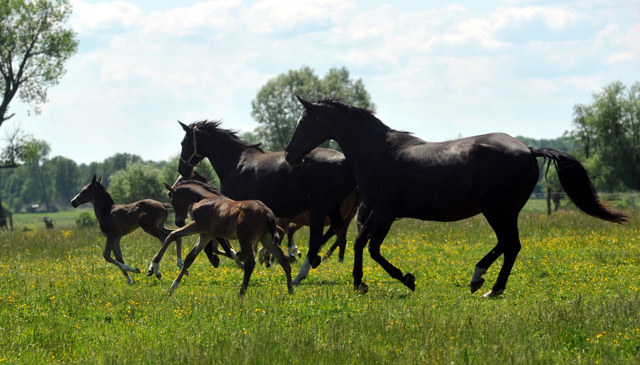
86, 219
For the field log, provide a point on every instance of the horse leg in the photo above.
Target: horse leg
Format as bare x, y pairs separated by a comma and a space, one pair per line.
341, 242
294, 252
364, 226
113, 244
213, 258
229, 251
161, 233
187, 230
315, 243
483, 266
191, 256
379, 230
506, 229
267, 241
249, 263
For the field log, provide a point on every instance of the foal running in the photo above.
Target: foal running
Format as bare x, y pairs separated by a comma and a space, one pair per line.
117, 220
248, 221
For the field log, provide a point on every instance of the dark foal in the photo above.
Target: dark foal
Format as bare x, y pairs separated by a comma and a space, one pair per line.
248, 221
400, 175
117, 220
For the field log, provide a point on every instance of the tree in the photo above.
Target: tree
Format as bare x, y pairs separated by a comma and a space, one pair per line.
65, 175
609, 128
34, 45
33, 153
138, 181
277, 110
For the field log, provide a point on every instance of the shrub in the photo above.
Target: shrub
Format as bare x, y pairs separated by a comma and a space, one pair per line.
86, 219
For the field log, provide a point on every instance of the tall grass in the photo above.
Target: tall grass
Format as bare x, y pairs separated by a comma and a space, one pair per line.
573, 297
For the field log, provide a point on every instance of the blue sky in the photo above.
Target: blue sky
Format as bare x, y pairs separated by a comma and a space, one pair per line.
436, 68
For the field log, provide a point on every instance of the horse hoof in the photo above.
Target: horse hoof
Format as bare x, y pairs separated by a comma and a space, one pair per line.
158, 276
361, 288
475, 285
149, 272
409, 281
136, 271
215, 261
493, 293
315, 262
292, 258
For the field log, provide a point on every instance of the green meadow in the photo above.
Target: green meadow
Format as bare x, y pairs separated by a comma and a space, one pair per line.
573, 296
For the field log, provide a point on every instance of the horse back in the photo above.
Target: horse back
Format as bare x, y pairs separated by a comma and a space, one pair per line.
452, 180
323, 178
145, 213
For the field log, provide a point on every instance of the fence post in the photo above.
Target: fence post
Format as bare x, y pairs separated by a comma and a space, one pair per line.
548, 200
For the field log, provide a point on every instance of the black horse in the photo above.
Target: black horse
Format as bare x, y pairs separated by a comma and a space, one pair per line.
248, 172
400, 175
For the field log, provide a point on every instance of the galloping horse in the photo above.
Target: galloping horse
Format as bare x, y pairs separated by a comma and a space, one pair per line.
117, 220
400, 175
214, 215
181, 211
247, 172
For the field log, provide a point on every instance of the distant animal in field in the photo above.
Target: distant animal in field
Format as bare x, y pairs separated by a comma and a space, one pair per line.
117, 220
400, 175
248, 221
48, 223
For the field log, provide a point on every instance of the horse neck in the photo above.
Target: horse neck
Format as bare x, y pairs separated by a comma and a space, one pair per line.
223, 154
361, 140
102, 204
194, 193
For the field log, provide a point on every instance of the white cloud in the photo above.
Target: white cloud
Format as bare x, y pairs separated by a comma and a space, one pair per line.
104, 16
473, 69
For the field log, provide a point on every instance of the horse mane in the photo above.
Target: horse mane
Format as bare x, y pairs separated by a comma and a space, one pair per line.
212, 128
357, 112
106, 194
194, 181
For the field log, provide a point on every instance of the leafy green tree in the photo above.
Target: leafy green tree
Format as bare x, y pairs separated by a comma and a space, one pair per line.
34, 152
277, 110
64, 175
609, 128
34, 45
138, 181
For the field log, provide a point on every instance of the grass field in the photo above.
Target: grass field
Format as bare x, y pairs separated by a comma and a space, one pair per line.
574, 296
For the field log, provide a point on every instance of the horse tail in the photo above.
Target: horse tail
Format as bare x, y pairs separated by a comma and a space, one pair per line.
273, 228
576, 183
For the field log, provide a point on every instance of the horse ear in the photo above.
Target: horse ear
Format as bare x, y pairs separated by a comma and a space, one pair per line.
100, 180
168, 187
93, 181
185, 127
307, 104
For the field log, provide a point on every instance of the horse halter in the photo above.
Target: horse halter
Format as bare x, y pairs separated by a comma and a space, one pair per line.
195, 150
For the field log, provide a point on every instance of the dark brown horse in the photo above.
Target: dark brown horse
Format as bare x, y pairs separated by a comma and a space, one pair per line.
248, 172
400, 175
117, 220
248, 221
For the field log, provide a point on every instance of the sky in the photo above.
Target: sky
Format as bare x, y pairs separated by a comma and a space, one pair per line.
440, 69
